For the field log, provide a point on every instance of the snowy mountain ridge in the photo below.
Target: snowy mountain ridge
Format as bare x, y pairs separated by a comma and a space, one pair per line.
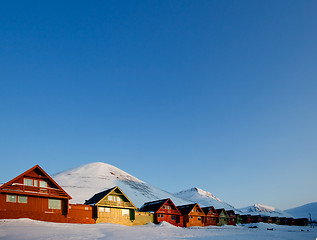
260, 209
204, 198
81, 183
304, 211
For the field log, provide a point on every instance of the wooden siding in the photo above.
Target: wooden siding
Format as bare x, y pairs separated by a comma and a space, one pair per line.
142, 218
36, 208
80, 213
115, 215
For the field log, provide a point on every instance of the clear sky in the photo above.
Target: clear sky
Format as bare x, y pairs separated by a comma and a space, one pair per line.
220, 95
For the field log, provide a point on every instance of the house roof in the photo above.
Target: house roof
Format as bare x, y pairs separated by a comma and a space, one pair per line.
220, 210
101, 195
153, 206
12, 181
98, 196
207, 209
186, 209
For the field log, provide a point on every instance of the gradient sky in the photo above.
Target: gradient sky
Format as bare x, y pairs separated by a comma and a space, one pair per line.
221, 95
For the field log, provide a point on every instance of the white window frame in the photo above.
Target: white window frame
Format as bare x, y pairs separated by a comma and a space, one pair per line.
54, 204
22, 199
11, 198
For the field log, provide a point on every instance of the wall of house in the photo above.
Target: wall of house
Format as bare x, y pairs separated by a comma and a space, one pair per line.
36, 208
114, 216
79, 213
142, 218
193, 220
211, 221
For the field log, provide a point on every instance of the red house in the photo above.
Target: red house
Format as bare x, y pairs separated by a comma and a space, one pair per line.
35, 195
232, 218
164, 210
212, 216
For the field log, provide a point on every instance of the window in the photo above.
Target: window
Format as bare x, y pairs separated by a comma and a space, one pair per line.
43, 184
161, 215
199, 218
107, 209
22, 199
86, 208
11, 198
36, 183
118, 199
173, 217
28, 182
54, 204
164, 207
101, 209
110, 198
207, 218
125, 212
190, 216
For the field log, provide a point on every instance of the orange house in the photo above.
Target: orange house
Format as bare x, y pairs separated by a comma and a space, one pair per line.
211, 216
192, 214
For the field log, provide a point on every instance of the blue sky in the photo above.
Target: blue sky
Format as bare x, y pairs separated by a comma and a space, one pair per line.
220, 95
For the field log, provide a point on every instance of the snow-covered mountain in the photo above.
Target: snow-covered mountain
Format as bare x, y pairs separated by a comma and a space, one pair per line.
83, 182
304, 211
204, 199
259, 209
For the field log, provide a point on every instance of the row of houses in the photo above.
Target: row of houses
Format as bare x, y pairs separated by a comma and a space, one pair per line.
35, 195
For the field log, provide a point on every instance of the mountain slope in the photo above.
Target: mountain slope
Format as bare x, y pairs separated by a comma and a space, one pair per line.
303, 211
204, 199
259, 209
83, 182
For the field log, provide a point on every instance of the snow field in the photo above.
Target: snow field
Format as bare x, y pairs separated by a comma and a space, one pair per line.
16, 229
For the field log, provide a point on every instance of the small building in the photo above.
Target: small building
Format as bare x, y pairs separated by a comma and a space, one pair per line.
212, 216
247, 218
164, 210
275, 220
257, 219
301, 221
266, 219
232, 218
112, 206
192, 214
239, 219
223, 217
35, 195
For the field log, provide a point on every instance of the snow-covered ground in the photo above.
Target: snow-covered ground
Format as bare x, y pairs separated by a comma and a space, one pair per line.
28, 229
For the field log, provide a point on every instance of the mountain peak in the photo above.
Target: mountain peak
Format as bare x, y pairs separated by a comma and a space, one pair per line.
264, 210
203, 198
84, 181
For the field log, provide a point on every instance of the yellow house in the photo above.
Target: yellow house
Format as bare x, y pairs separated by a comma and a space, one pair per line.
113, 206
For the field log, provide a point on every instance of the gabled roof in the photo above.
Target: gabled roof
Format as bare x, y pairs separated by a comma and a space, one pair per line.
220, 210
154, 206
231, 212
36, 167
207, 209
94, 200
186, 209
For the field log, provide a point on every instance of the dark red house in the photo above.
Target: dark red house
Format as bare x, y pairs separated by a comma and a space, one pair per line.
212, 216
35, 195
164, 210
232, 218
